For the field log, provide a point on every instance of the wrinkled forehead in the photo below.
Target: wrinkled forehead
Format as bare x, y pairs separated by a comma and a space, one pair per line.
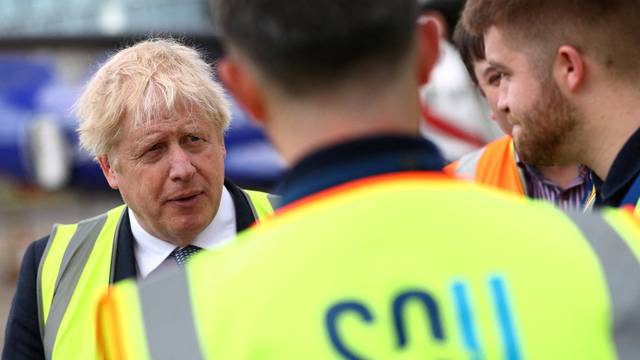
183, 120
159, 124
163, 111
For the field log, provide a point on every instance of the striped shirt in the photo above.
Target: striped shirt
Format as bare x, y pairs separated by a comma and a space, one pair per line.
573, 197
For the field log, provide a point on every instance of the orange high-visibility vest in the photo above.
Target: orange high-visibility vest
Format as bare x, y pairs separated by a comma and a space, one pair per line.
494, 165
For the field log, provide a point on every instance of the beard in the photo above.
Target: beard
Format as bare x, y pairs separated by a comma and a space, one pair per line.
546, 129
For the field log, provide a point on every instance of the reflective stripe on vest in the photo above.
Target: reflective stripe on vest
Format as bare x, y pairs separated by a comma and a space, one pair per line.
77, 264
74, 269
511, 307
619, 264
166, 343
494, 165
262, 204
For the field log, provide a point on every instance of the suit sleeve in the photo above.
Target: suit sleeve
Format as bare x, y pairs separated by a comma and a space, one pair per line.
22, 336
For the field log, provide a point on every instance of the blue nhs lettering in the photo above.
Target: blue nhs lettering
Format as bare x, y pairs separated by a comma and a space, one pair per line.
471, 341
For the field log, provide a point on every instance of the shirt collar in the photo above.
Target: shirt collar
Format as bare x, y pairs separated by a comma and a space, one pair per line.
533, 172
356, 159
624, 170
151, 251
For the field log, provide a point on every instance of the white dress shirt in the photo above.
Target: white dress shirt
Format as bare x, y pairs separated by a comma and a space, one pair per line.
152, 254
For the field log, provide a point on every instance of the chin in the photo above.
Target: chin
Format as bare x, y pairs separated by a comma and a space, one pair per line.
188, 226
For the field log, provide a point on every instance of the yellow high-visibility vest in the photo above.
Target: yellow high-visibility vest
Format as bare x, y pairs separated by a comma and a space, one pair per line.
396, 267
76, 267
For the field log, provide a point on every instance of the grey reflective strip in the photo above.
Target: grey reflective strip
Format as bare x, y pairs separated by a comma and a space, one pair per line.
39, 281
274, 200
622, 272
168, 318
468, 164
73, 261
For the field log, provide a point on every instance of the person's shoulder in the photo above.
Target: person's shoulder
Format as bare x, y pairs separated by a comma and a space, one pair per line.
36, 249
31, 259
22, 339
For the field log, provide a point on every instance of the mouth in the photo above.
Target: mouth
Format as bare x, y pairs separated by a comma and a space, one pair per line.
187, 198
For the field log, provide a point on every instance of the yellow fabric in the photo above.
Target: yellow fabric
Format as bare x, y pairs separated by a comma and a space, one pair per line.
261, 203
270, 298
110, 313
628, 224
75, 338
51, 264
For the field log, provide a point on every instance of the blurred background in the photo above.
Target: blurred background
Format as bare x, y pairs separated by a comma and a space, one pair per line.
50, 48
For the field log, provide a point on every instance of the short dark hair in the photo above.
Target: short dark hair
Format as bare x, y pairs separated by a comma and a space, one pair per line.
305, 44
606, 28
471, 48
450, 10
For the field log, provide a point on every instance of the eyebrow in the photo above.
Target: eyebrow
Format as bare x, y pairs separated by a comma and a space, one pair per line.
489, 69
498, 66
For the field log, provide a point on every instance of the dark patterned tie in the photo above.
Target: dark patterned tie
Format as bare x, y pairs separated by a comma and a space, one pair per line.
182, 255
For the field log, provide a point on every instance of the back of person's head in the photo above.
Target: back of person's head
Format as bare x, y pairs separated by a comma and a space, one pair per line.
151, 80
449, 10
471, 48
305, 45
607, 30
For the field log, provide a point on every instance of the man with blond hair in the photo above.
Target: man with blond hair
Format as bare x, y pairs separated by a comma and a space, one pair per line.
154, 118
569, 84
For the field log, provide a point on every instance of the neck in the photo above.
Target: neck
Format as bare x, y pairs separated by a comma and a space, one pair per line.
614, 115
300, 126
603, 149
561, 175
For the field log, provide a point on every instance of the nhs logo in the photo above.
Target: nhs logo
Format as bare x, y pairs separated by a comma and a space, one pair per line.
392, 323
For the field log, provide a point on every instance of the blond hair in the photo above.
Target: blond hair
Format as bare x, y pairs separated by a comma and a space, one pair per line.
152, 78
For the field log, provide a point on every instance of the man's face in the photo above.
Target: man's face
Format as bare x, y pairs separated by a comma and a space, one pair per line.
170, 173
542, 119
489, 82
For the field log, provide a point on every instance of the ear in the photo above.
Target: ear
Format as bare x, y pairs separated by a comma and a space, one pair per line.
428, 47
244, 87
569, 68
440, 21
108, 171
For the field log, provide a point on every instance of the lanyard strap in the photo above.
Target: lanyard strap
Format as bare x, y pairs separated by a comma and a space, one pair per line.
587, 205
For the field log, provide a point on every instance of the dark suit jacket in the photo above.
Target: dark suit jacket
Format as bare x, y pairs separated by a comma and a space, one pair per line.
22, 337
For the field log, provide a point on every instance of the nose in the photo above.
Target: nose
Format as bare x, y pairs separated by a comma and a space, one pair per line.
181, 167
503, 104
